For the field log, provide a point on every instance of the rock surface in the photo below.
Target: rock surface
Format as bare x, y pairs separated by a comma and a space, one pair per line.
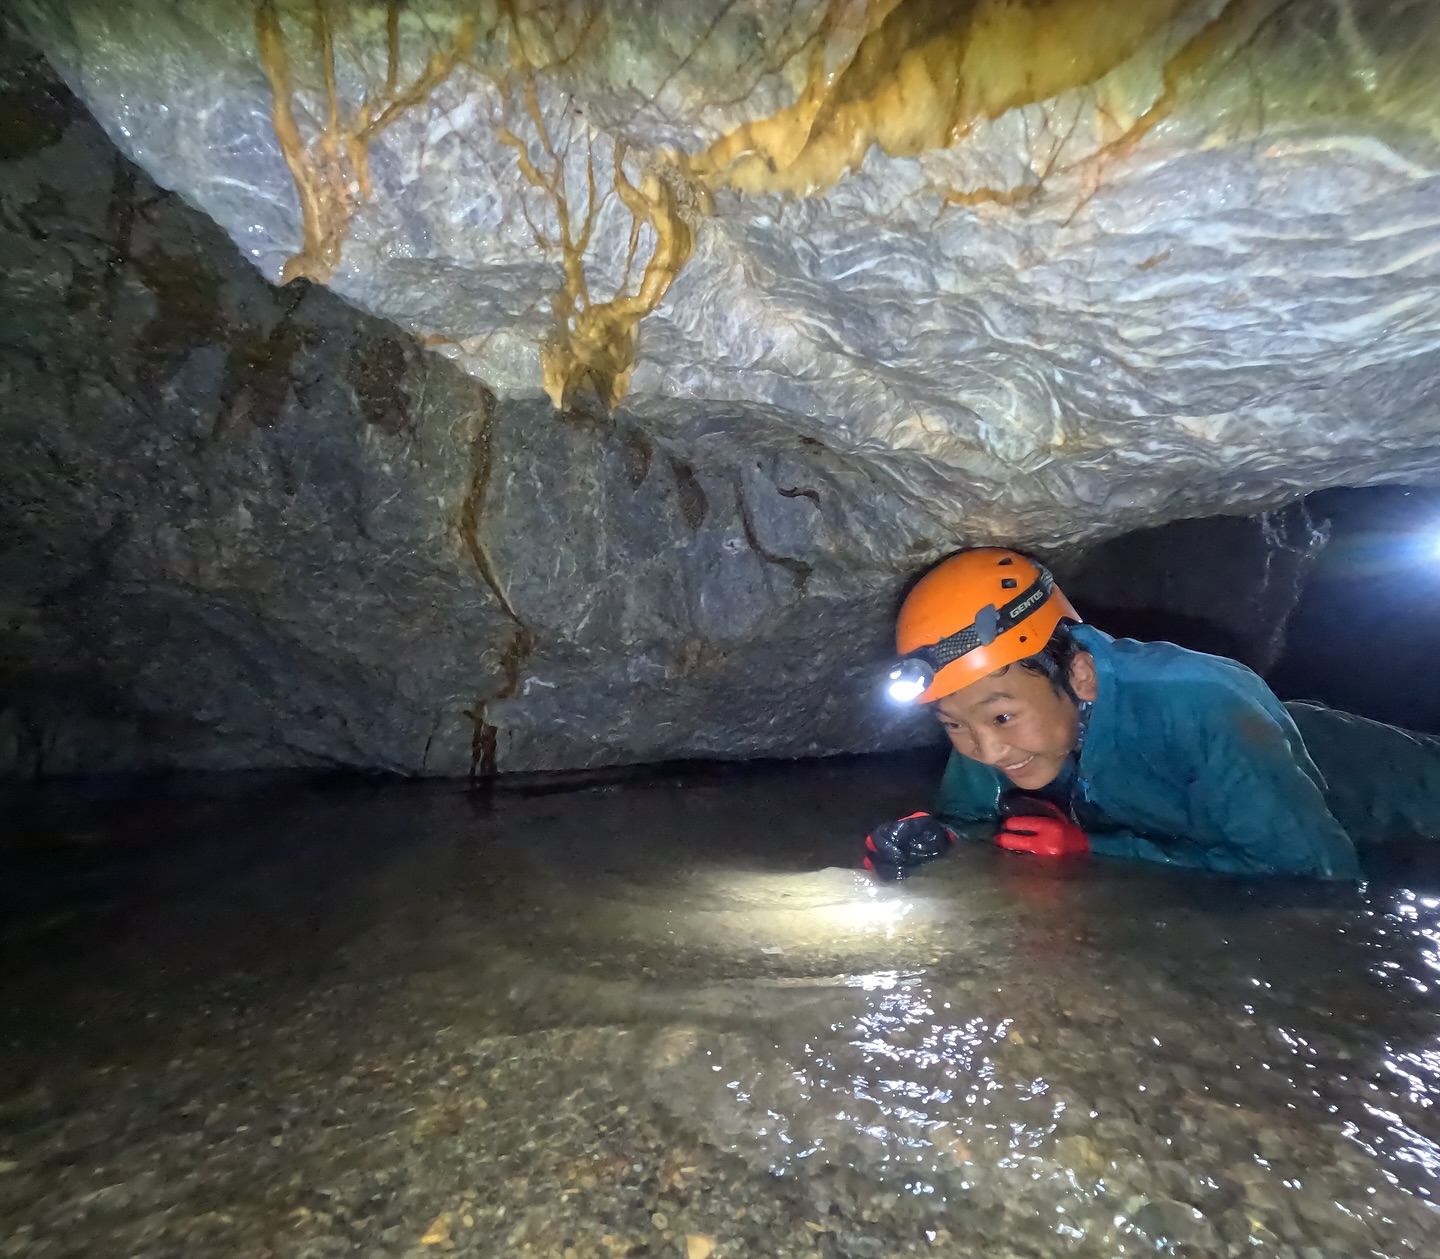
1062, 268
1222, 584
246, 527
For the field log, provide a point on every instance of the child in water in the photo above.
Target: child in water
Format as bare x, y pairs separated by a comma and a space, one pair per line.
1074, 742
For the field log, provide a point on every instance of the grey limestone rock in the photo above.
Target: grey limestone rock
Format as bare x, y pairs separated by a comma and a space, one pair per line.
247, 525
1224, 584
1066, 268
244, 526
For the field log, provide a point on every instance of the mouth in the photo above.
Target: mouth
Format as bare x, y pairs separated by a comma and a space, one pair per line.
1018, 768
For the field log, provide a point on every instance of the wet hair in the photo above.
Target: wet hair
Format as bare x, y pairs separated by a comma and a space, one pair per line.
1053, 660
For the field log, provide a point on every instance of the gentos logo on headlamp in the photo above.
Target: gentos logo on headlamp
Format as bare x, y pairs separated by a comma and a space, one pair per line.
1019, 610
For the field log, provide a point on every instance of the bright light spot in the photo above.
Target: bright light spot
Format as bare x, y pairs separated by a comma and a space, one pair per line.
908, 679
872, 914
829, 910
906, 690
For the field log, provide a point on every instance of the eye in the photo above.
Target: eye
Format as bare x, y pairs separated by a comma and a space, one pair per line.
1003, 718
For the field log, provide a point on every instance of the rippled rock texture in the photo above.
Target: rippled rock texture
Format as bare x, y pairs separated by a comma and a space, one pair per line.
243, 526
1063, 266
694, 332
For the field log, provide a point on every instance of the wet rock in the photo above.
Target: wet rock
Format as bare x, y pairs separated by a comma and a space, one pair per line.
1079, 1153
1159, 583
248, 526
674, 1048
1169, 1223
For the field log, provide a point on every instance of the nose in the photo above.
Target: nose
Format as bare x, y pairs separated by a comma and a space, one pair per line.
991, 748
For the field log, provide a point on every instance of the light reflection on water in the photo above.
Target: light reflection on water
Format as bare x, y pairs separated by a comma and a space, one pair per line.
1117, 1063
1097, 1060
912, 1089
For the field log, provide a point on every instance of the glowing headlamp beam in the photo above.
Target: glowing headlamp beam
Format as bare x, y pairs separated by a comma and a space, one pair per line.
908, 680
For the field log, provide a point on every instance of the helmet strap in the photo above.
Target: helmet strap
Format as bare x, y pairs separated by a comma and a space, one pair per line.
989, 623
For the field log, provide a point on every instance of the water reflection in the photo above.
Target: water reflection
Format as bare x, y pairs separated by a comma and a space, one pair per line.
1093, 1062
1071, 1057
986, 1111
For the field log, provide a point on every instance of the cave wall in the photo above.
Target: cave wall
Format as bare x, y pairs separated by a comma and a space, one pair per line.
248, 526
1222, 584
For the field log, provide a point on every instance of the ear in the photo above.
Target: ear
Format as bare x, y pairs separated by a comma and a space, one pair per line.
1082, 676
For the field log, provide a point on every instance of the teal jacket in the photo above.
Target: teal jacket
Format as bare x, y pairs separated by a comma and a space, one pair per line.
1191, 760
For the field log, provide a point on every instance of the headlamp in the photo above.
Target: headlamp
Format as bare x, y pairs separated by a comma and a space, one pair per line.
909, 679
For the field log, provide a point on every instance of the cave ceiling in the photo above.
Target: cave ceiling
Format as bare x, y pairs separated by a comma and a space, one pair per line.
1053, 268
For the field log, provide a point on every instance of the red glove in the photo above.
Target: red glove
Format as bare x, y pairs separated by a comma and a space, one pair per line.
1043, 830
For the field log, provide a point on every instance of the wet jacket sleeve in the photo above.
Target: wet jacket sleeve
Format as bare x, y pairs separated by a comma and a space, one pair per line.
1381, 783
969, 793
1256, 799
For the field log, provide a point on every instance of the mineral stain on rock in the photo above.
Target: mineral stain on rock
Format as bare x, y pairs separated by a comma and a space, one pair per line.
908, 76
34, 113
689, 493
916, 75
378, 370
520, 641
579, 199
331, 167
591, 345
592, 342
637, 451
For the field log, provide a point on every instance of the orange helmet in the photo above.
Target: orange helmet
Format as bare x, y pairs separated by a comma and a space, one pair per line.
969, 616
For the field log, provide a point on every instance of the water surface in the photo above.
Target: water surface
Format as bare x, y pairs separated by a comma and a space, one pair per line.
271, 1018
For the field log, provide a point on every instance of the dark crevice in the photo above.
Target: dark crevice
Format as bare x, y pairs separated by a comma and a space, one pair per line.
258, 368
472, 508
377, 372
637, 451
799, 570
693, 504
484, 741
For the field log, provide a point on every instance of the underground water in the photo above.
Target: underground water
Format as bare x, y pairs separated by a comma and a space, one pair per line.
461, 464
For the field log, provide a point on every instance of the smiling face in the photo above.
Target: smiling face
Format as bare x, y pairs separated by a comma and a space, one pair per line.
1017, 721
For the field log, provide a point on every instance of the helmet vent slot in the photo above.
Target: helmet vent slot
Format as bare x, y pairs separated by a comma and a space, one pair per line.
1008, 583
